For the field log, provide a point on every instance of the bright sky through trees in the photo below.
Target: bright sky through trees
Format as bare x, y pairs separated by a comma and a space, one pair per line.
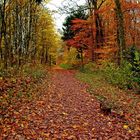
54, 5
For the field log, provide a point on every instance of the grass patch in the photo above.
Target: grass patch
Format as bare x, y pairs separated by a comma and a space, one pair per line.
66, 66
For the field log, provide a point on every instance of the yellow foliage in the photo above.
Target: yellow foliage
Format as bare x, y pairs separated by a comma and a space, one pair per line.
70, 56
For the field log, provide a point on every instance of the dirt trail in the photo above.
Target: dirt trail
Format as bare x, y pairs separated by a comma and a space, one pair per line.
67, 112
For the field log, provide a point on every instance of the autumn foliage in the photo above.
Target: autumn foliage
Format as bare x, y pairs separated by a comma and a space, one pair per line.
27, 33
104, 34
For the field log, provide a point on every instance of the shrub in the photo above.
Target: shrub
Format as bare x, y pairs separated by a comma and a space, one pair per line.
136, 67
133, 57
90, 66
8, 72
35, 72
120, 76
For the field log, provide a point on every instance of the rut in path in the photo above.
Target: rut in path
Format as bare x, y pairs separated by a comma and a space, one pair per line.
65, 111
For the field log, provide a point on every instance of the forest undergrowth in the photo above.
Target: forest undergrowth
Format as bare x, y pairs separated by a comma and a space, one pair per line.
111, 92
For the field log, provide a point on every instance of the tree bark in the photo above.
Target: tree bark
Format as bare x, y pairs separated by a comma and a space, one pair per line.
120, 31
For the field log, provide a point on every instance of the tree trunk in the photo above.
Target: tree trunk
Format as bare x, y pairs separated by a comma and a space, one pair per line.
99, 35
120, 31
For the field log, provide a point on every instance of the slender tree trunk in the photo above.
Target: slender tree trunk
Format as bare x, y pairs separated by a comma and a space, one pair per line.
99, 35
5, 37
120, 31
99, 31
3, 33
46, 55
82, 58
50, 60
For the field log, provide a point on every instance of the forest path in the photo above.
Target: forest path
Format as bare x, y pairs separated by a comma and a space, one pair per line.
75, 114
65, 111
